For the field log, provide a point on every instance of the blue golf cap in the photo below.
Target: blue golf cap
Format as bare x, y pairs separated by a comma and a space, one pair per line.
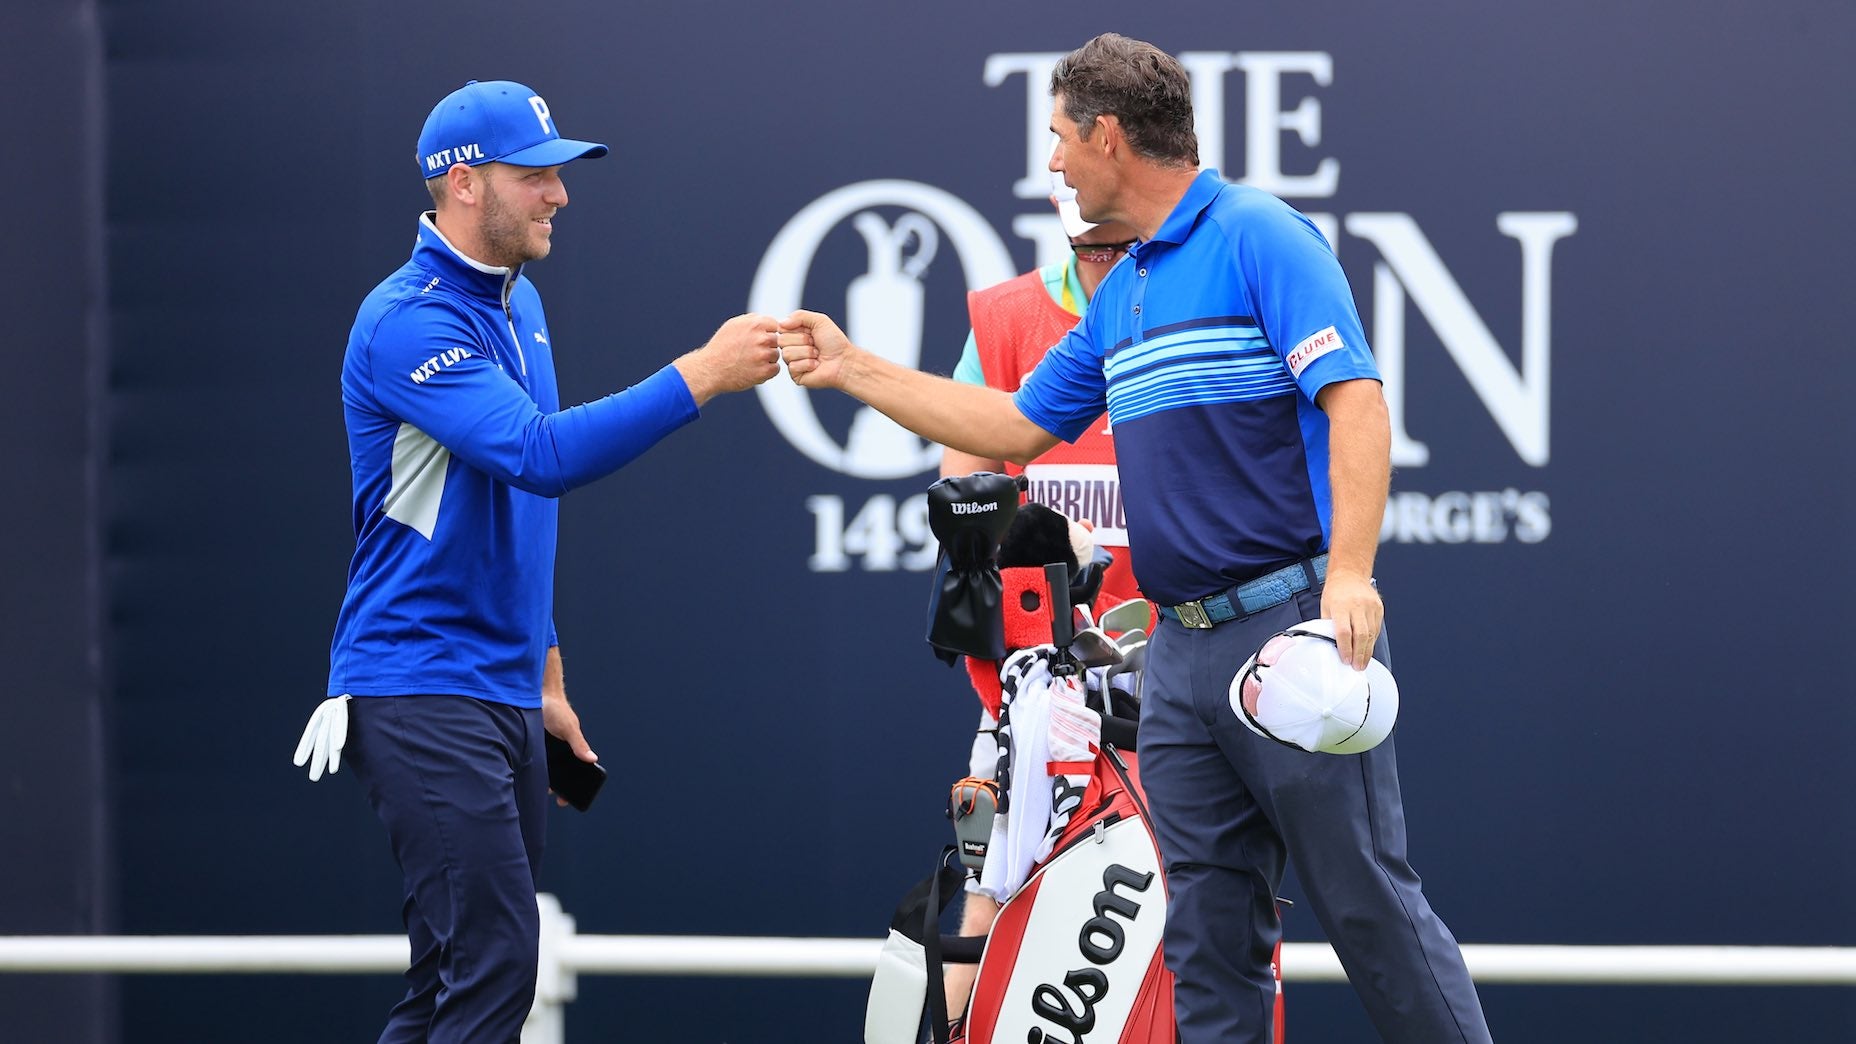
491, 121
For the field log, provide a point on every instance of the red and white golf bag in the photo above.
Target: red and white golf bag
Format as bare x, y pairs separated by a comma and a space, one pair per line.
1075, 953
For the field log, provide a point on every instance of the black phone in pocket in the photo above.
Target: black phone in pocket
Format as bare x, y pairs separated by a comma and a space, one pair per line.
574, 781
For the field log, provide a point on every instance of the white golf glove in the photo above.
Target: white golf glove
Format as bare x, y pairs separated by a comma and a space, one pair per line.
323, 737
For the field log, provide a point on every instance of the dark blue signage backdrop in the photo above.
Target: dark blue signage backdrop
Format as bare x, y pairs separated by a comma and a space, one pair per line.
1598, 250
53, 809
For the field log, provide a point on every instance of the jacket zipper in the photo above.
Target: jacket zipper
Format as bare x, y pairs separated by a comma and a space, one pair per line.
510, 318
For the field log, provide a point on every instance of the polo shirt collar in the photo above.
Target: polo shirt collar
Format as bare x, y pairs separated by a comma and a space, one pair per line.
1178, 224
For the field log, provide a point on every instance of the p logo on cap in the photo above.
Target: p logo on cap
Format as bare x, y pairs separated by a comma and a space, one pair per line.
496, 121
1298, 692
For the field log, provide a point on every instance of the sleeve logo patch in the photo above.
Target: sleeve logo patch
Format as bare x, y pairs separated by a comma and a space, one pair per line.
1317, 345
429, 368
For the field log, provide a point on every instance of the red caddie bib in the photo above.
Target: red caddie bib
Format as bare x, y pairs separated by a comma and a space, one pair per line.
1014, 324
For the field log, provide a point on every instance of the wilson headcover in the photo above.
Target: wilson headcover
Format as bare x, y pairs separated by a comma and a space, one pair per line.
1296, 691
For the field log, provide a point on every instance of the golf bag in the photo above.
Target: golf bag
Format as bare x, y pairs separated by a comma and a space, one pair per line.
1061, 833
1075, 952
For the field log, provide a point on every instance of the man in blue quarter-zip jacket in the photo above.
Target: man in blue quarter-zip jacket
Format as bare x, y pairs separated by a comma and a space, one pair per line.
444, 671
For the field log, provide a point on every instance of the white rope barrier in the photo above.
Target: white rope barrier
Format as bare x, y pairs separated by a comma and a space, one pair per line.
743, 957
797, 958
1662, 965
565, 954
198, 954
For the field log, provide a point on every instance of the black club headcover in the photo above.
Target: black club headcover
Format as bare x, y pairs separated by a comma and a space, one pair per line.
969, 514
1040, 536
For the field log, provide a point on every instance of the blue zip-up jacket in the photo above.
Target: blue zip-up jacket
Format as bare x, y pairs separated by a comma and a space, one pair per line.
458, 445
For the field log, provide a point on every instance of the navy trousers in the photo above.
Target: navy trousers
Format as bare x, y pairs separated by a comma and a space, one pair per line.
462, 786
1230, 807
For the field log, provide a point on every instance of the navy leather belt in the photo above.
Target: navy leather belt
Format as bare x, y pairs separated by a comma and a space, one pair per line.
1253, 596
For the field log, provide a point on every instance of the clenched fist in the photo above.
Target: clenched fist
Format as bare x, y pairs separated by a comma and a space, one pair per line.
743, 353
815, 350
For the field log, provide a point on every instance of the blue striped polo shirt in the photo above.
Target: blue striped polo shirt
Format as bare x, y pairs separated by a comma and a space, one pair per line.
1207, 346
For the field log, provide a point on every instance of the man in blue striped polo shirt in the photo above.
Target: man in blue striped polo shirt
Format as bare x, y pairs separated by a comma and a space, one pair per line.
1255, 457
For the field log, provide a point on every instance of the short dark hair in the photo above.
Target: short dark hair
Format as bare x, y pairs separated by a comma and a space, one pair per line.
1143, 87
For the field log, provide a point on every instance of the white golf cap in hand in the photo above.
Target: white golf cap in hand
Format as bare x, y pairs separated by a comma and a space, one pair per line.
1297, 691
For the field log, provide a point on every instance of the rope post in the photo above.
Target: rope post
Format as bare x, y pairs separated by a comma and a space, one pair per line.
555, 983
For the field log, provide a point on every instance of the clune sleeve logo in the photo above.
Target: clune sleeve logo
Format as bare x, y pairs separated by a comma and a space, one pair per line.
1314, 347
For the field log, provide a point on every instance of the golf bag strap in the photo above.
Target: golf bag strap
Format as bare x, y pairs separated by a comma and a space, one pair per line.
941, 885
937, 948
918, 918
962, 949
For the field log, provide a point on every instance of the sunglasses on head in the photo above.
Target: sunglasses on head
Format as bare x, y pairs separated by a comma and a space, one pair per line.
1100, 252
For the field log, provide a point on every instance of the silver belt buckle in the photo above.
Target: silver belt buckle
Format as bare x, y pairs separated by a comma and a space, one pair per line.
1192, 614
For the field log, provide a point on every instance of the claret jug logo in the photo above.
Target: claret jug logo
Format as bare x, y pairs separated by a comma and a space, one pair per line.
882, 308
882, 311
1282, 104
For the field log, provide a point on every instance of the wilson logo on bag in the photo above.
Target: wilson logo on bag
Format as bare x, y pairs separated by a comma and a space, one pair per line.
1075, 955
